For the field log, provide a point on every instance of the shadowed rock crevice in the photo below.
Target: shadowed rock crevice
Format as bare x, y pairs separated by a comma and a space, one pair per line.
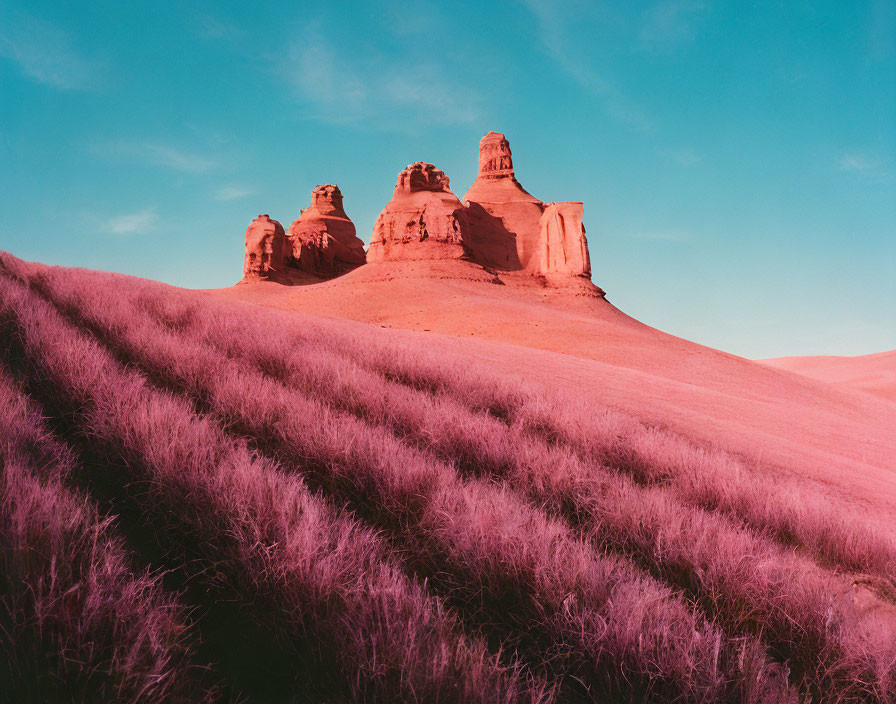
493, 244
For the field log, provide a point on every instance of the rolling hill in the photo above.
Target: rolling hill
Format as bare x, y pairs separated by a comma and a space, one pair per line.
567, 336
424, 481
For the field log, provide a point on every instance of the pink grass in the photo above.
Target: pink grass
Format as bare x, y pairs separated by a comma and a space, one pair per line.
744, 578
76, 622
471, 538
591, 543
309, 573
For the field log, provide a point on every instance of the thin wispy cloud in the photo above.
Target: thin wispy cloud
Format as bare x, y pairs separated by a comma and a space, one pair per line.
422, 88
686, 156
670, 22
872, 169
343, 86
554, 32
156, 154
233, 193
130, 223
210, 27
45, 53
853, 161
671, 236
327, 80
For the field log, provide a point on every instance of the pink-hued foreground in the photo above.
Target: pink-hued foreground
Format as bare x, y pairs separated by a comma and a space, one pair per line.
523, 496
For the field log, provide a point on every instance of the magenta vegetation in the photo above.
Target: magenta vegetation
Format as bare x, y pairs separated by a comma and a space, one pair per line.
202, 503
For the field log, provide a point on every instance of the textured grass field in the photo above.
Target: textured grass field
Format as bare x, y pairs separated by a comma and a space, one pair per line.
200, 504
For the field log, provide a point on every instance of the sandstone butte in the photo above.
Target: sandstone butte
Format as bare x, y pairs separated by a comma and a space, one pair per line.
320, 244
499, 225
323, 240
424, 219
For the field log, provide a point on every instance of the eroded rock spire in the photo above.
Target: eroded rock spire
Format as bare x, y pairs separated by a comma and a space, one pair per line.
322, 239
424, 219
512, 229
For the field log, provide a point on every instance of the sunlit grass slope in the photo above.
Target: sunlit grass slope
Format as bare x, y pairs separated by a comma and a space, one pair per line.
204, 499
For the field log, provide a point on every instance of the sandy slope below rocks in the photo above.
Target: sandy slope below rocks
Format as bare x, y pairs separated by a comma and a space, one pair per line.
568, 338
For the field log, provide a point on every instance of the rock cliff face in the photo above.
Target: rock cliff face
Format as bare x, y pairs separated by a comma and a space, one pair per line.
562, 247
514, 214
322, 239
266, 250
424, 219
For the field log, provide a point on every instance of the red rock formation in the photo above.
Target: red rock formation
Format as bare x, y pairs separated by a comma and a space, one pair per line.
507, 212
322, 239
511, 229
424, 219
562, 248
500, 226
266, 249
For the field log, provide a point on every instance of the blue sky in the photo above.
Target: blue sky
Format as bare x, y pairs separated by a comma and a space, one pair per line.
737, 160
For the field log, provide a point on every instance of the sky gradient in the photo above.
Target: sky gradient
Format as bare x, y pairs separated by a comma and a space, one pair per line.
737, 161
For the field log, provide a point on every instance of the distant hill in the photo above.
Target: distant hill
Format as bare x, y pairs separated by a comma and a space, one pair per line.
872, 373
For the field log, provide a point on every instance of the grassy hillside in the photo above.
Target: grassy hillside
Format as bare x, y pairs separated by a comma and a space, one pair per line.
204, 502
565, 341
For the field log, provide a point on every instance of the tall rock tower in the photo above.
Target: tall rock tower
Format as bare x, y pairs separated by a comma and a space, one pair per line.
510, 212
512, 229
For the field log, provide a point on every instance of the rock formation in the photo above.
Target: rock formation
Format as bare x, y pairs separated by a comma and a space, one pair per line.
562, 247
513, 211
424, 219
321, 243
499, 225
512, 229
266, 250
322, 239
